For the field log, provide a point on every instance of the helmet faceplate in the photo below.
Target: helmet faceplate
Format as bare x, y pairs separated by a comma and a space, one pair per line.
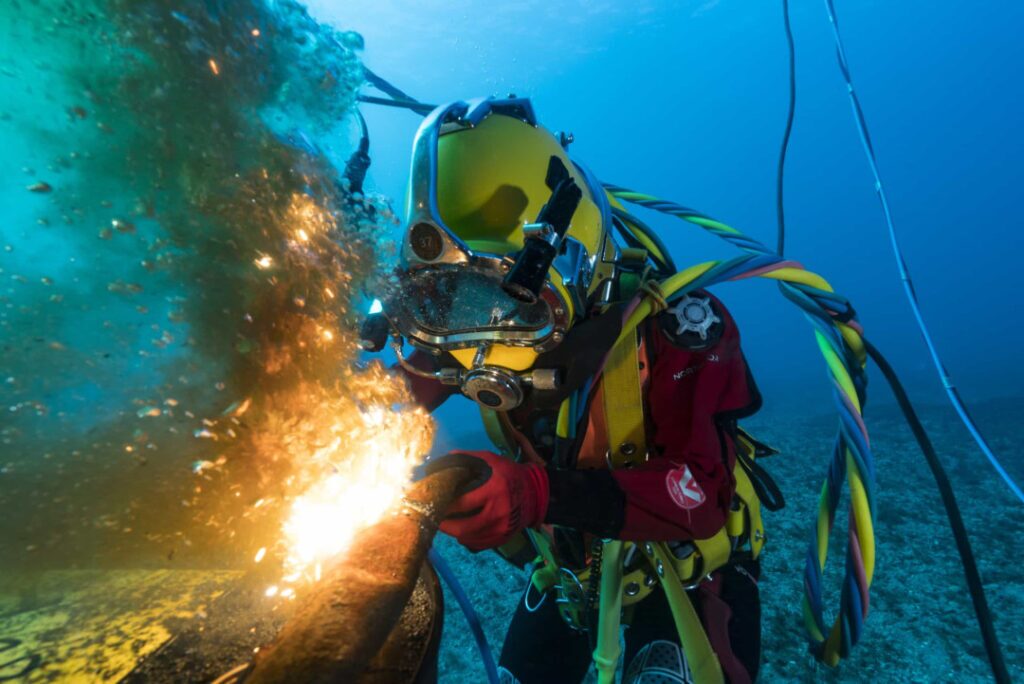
477, 177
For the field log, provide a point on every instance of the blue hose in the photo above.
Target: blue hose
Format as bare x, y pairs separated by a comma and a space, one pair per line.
446, 573
901, 263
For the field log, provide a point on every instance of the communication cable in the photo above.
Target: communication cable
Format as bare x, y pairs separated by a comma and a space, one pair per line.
448, 575
901, 263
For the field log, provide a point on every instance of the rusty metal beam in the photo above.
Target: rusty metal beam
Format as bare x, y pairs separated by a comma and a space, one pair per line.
339, 628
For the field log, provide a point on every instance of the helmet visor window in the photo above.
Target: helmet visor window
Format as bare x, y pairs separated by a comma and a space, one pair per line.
465, 303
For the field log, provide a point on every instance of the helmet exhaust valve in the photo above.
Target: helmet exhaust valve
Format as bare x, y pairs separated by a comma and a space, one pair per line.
694, 314
493, 388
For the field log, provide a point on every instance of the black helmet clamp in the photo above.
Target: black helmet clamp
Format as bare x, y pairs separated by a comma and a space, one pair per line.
543, 238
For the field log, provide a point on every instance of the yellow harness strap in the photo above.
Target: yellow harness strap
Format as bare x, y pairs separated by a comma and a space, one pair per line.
609, 648
627, 442
496, 432
700, 656
545, 575
624, 405
627, 446
714, 553
746, 521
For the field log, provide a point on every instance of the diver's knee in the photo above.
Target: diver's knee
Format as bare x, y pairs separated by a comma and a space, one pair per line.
659, 662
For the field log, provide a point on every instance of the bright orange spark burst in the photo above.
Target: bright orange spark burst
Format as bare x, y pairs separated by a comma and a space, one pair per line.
364, 477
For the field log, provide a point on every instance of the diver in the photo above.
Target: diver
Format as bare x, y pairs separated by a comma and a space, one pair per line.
620, 470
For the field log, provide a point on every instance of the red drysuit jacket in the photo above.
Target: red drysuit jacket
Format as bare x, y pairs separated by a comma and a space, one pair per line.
693, 394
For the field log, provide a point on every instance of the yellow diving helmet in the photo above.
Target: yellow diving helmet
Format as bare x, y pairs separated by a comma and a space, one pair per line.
507, 246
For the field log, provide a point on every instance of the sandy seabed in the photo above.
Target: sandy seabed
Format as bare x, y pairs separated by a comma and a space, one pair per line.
921, 627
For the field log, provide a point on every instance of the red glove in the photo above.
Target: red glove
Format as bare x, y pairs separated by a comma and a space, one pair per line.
504, 499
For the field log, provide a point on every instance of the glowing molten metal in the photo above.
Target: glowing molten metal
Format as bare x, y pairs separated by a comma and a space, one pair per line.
365, 465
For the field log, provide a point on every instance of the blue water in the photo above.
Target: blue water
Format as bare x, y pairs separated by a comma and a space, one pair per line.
684, 100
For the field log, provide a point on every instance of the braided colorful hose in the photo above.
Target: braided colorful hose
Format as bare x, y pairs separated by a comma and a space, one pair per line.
839, 337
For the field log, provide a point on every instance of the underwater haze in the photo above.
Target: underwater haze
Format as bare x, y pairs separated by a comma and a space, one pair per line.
183, 269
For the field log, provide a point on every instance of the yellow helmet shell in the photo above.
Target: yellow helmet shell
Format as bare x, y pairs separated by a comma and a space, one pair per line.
479, 175
490, 183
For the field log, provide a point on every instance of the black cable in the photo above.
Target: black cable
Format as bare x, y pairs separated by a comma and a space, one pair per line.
779, 210
963, 544
399, 98
418, 107
359, 163
385, 87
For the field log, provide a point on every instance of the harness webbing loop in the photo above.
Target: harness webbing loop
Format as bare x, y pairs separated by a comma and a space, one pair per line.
608, 650
624, 404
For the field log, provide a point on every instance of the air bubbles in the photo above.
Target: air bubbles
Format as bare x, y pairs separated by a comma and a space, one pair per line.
122, 226
352, 40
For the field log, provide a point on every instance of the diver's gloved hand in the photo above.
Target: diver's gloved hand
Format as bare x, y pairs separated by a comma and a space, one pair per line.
505, 498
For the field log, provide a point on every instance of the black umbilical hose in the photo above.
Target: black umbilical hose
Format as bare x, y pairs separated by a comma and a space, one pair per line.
956, 522
779, 175
963, 543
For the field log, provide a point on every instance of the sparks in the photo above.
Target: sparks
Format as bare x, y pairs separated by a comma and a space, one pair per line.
364, 463
214, 68
264, 261
260, 554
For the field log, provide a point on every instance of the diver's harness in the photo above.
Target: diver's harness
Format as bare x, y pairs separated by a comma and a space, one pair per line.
845, 350
621, 574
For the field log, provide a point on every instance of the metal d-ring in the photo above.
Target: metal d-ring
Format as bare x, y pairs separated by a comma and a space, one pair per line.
526, 597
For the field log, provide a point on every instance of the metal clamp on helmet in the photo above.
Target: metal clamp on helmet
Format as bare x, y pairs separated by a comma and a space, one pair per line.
542, 239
